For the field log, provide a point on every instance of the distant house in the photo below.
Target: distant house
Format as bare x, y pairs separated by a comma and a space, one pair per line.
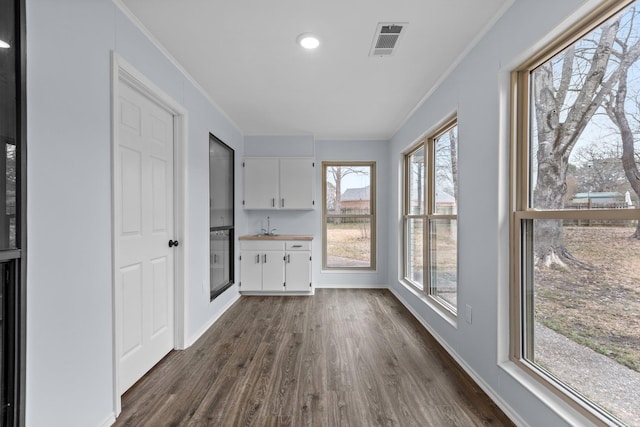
355, 199
445, 202
598, 197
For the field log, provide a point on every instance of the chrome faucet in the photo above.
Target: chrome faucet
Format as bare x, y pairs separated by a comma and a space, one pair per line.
268, 231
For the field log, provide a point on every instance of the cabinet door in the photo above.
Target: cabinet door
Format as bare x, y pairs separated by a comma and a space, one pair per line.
273, 271
250, 271
298, 271
296, 183
260, 183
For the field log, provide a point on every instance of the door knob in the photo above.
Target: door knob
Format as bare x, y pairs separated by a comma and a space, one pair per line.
173, 243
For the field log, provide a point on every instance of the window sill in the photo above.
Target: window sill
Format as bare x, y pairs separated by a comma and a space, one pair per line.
543, 393
450, 317
348, 271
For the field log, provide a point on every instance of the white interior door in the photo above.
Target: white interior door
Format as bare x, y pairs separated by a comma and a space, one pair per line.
143, 168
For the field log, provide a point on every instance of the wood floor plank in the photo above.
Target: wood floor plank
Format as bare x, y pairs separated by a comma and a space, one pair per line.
283, 388
343, 357
312, 377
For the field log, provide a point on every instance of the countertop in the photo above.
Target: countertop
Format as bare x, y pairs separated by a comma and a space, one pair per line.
276, 237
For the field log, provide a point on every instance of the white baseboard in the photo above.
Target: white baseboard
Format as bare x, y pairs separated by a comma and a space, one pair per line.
352, 286
282, 294
213, 320
504, 406
109, 421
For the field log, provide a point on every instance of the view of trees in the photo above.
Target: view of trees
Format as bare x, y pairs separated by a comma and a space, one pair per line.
348, 213
445, 166
446, 162
591, 83
579, 269
335, 175
598, 168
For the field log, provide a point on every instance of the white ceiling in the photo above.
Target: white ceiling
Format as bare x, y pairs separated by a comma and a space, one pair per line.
243, 53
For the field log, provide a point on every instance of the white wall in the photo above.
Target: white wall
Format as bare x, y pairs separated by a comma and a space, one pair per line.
478, 89
69, 278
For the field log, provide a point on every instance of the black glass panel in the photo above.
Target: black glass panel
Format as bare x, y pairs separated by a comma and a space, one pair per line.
8, 121
220, 184
221, 215
8, 295
12, 312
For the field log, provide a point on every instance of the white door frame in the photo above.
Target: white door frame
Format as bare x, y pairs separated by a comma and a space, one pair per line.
122, 70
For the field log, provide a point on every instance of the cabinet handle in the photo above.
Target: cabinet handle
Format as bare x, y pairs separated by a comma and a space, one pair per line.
257, 259
297, 246
265, 258
282, 202
289, 259
215, 258
273, 202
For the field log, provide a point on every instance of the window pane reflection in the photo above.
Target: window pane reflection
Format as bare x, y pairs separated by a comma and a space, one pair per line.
416, 179
446, 173
414, 251
444, 260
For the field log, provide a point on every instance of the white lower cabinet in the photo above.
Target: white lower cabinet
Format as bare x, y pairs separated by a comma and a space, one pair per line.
275, 266
298, 266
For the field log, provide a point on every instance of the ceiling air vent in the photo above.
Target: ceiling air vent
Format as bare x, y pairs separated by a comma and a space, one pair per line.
386, 38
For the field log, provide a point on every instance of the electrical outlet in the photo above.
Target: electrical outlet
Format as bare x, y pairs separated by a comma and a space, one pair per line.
468, 314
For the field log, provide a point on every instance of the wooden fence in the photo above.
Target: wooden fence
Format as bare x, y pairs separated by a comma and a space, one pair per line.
598, 223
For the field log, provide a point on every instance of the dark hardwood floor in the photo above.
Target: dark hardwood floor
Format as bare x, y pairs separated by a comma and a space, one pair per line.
339, 358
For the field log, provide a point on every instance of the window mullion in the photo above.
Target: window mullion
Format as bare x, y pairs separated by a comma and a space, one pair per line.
426, 250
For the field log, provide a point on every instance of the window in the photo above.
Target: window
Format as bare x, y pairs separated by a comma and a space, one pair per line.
349, 221
430, 216
221, 216
12, 212
575, 231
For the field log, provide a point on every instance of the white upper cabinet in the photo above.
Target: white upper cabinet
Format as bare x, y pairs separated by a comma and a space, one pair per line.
261, 177
296, 183
278, 183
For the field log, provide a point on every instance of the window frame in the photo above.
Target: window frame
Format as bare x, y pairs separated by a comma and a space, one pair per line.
428, 217
230, 227
522, 214
371, 216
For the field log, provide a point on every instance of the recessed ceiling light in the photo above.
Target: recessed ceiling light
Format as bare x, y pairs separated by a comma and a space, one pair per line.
308, 41
4, 45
